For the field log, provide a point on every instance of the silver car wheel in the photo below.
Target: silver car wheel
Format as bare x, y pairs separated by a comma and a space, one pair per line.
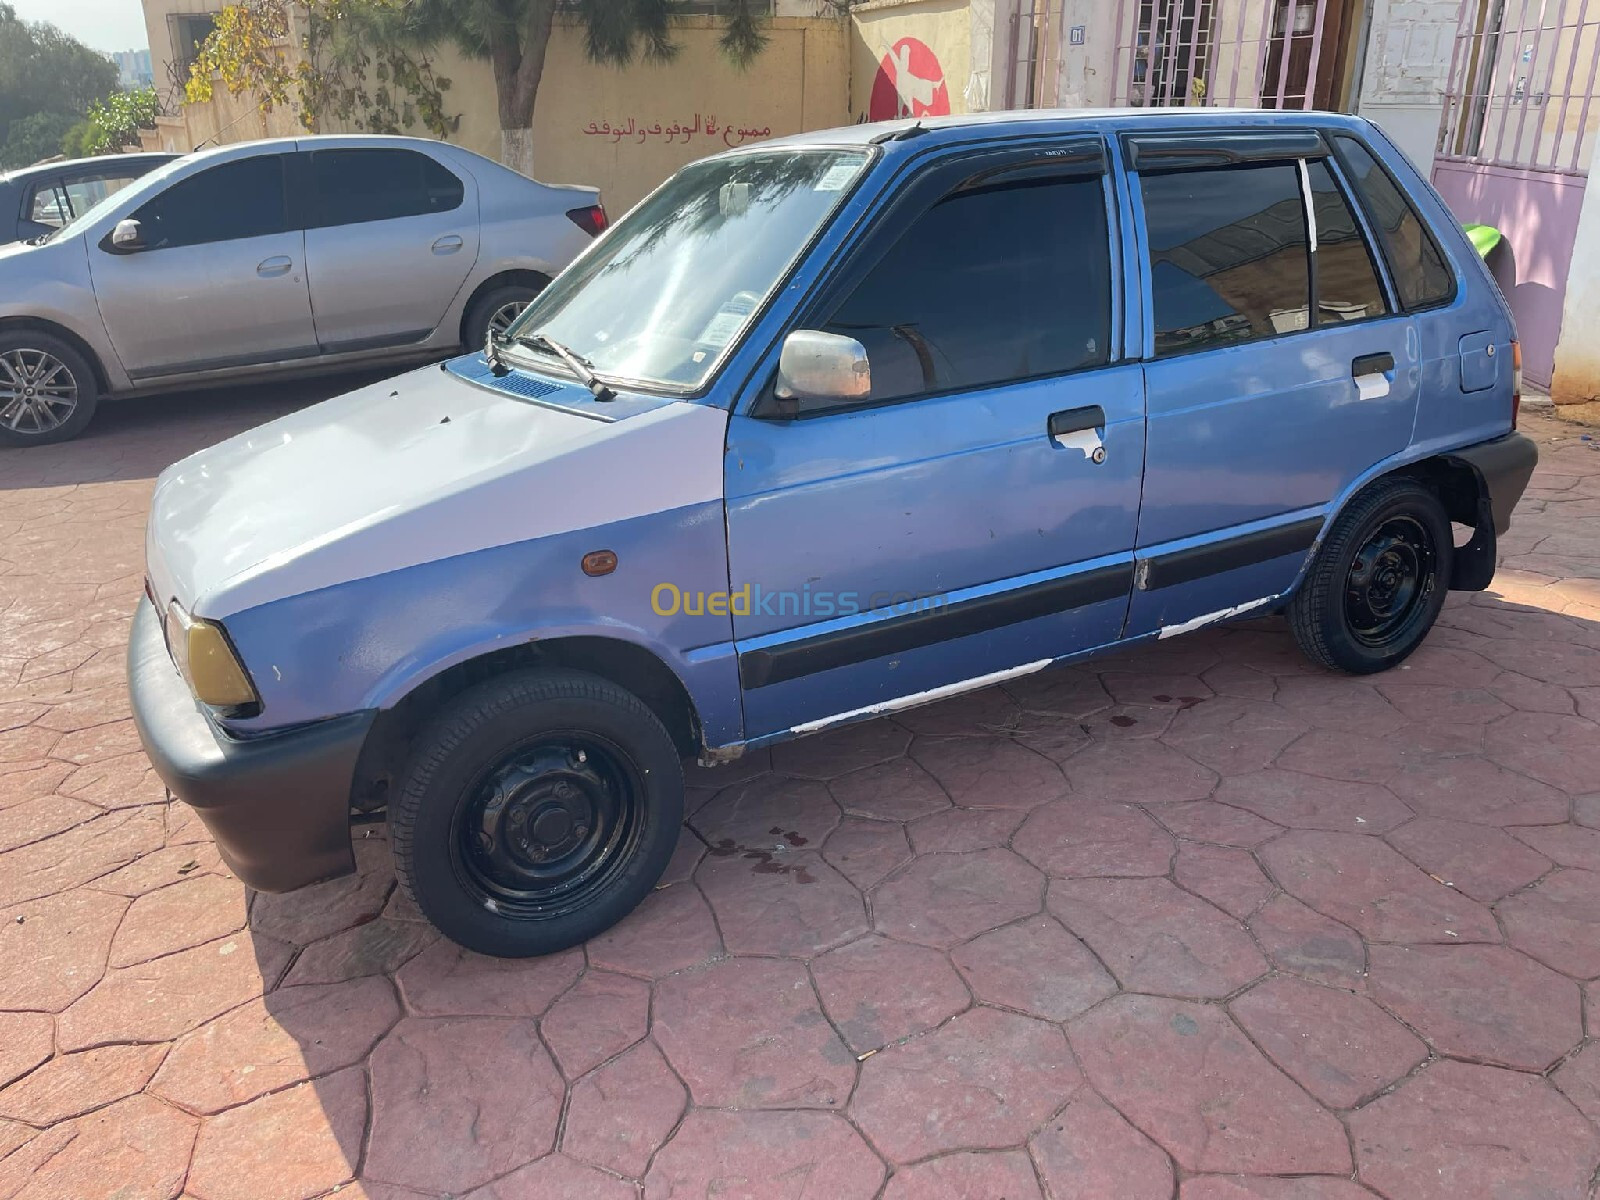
502, 317
37, 391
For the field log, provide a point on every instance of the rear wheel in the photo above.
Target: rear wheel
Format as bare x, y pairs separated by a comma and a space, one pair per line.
495, 310
1378, 582
48, 392
539, 809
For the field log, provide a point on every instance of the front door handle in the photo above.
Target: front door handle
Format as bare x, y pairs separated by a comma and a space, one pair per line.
278, 265
1079, 429
1372, 364
448, 244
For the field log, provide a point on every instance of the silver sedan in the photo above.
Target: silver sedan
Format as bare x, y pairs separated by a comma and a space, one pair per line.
272, 258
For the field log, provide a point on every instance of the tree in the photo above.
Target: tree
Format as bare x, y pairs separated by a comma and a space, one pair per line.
115, 122
44, 73
514, 35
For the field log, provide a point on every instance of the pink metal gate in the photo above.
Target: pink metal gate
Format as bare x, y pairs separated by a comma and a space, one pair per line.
1515, 142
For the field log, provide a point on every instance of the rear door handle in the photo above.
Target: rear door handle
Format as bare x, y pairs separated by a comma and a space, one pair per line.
1079, 429
1372, 364
449, 244
278, 265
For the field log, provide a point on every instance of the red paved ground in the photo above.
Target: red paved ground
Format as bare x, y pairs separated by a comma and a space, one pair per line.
1196, 920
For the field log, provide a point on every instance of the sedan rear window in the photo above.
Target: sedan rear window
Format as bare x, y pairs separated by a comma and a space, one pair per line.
356, 186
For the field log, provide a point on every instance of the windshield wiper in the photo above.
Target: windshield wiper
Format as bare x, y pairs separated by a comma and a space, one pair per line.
581, 366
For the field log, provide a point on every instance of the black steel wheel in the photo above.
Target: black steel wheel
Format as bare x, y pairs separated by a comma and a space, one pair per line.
1378, 581
538, 810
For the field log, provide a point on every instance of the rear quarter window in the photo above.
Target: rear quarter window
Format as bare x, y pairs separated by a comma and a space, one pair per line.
1422, 276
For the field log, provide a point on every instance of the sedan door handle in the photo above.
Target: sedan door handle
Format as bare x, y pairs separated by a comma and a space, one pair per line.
448, 244
1372, 364
280, 264
1079, 429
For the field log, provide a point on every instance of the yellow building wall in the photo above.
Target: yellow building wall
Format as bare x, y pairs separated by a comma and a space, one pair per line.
944, 26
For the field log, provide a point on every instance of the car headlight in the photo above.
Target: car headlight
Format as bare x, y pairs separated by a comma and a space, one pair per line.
205, 658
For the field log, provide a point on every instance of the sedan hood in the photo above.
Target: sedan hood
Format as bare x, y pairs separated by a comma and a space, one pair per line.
412, 470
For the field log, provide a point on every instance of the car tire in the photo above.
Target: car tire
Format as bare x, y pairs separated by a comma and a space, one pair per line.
1378, 581
38, 370
539, 808
493, 306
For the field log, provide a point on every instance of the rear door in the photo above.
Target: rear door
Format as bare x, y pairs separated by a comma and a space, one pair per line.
391, 236
1281, 368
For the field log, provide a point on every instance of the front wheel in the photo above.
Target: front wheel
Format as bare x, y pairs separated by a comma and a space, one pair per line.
539, 809
1378, 582
48, 392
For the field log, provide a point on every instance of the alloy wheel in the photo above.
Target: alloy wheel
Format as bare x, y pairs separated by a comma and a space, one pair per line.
38, 392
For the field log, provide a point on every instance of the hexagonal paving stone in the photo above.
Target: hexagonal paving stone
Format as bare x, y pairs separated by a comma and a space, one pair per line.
26, 1040
1433, 702
1073, 838
1300, 801
785, 1156
1557, 921
1484, 862
788, 904
54, 950
865, 851
1065, 691
379, 947
190, 913
958, 830
1224, 875
1568, 845
839, 751
447, 981
671, 930
1246, 1187
1218, 824
620, 1114
1304, 942
879, 991
1467, 1132
556, 1177
165, 998
943, 899
1006, 1174
602, 1015
1232, 735
1476, 790
316, 912
70, 859
140, 1143
162, 868
895, 791
72, 1084
291, 1034
479, 1092
1339, 1046
240, 1154
1137, 772
748, 1033
985, 1080
1367, 885
1338, 702
1036, 967
1186, 1076
1089, 1150
1486, 1003
972, 714
989, 772
1155, 937
1579, 1080
1056, 738
766, 814
46, 816
1560, 751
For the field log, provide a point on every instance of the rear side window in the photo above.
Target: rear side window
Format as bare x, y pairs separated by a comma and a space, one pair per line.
997, 282
356, 186
240, 199
1421, 276
1229, 255
1347, 282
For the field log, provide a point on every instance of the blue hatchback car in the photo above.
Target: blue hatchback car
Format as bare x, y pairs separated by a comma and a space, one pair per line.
823, 429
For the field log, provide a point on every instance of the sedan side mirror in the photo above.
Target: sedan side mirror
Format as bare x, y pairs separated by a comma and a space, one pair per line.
822, 366
128, 236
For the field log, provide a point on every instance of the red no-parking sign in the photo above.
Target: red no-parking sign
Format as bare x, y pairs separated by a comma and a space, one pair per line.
910, 83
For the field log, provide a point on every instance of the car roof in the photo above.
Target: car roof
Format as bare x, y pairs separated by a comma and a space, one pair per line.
1065, 120
144, 158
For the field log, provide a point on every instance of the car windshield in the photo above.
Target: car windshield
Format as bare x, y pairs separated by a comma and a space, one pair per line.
674, 285
141, 186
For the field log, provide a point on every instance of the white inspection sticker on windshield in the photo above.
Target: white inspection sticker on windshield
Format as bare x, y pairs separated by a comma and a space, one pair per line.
836, 176
728, 320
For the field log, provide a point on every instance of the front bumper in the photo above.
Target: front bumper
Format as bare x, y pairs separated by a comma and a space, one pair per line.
278, 805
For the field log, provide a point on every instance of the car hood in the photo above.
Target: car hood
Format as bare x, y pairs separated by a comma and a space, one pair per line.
412, 470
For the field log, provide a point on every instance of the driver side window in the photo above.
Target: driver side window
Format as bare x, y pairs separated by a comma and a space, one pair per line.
1003, 279
230, 202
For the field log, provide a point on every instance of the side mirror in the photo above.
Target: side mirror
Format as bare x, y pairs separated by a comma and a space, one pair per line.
127, 236
823, 366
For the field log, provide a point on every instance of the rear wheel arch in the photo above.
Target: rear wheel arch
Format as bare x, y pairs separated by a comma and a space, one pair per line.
522, 277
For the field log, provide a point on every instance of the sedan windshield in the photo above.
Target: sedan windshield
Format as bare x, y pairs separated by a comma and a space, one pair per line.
674, 285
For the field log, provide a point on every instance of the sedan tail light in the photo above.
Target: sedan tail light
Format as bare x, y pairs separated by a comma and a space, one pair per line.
591, 220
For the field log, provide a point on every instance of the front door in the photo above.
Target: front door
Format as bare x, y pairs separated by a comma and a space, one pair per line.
392, 237
1283, 371
221, 281
976, 515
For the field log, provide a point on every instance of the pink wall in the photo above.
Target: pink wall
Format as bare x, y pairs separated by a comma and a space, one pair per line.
1538, 213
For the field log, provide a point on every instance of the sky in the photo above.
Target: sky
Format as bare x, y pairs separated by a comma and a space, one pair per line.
104, 24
